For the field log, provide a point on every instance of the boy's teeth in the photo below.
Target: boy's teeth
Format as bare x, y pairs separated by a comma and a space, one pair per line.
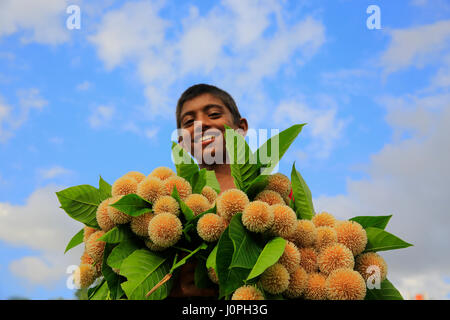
207, 138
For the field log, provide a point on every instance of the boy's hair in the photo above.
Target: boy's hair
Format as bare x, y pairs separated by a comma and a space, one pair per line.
198, 89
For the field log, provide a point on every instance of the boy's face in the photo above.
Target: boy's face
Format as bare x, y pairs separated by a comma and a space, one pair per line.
202, 120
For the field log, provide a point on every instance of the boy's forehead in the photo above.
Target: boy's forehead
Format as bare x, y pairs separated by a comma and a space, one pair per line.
200, 102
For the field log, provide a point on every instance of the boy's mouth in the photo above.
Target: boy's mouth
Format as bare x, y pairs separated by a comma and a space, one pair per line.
207, 139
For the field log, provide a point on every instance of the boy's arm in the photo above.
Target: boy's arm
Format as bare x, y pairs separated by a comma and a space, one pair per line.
185, 286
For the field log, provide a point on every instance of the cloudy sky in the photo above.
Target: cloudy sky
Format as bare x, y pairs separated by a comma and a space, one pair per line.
100, 100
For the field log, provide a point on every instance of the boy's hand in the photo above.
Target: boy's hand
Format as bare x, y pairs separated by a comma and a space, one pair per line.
185, 287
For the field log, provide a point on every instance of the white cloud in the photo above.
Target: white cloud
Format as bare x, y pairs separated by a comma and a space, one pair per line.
101, 116
12, 118
324, 127
53, 172
41, 225
83, 86
42, 21
409, 179
416, 46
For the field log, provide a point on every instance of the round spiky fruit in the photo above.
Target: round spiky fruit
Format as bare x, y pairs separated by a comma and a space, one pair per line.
334, 257
123, 186
352, 235
297, 283
247, 292
210, 194
308, 259
230, 202
284, 222
258, 216
304, 235
183, 187
84, 276
116, 215
271, 197
197, 203
87, 231
371, 264
345, 284
138, 176
103, 219
291, 257
95, 247
279, 183
166, 204
139, 224
316, 287
326, 236
323, 219
86, 259
151, 188
162, 173
165, 229
210, 227
275, 279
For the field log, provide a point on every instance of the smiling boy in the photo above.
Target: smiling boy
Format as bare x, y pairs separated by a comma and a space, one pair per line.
201, 113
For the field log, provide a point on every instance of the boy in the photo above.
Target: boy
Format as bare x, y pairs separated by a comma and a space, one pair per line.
201, 113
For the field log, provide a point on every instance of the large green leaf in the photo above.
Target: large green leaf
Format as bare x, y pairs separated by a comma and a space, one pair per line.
99, 292
198, 181
229, 278
113, 280
387, 291
283, 140
243, 164
372, 221
81, 202
117, 234
211, 261
246, 249
76, 240
104, 187
211, 180
184, 163
133, 205
272, 251
302, 196
122, 251
143, 270
380, 240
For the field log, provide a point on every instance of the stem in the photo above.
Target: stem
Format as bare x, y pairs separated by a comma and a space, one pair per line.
159, 284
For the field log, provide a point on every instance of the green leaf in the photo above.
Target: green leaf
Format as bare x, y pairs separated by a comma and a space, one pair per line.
81, 202
99, 292
133, 205
143, 270
105, 187
76, 240
211, 180
121, 252
202, 246
284, 139
269, 256
246, 250
229, 278
372, 221
184, 163
387, 291
302, 196
187, 212
201, 278
211, 261
198, 181
380, 240
113, 280
243, 164
117, 234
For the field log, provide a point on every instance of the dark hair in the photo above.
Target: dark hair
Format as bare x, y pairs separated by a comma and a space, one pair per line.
198, 89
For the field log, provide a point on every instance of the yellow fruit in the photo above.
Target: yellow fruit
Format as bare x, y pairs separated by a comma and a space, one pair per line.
334, 257
367, 264
271, 197
275, 279
308, 259
230, 202
197, 203
323, 219
139, 224
247, 292
304, 235
297, 283
165, 229
326, 236
123, 186
345, 284
102, 216
352, 235
162, 173
258, 216
166, 204
290, 258
183, 187
284, 222
151, 188
316, 287
115, 215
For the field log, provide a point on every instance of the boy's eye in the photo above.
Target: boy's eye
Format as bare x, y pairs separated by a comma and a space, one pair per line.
214, 114
188, 122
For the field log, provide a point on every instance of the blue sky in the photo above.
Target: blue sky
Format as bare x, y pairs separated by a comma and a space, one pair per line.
100, 100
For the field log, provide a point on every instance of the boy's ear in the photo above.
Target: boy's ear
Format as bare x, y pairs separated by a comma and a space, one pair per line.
243, 125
